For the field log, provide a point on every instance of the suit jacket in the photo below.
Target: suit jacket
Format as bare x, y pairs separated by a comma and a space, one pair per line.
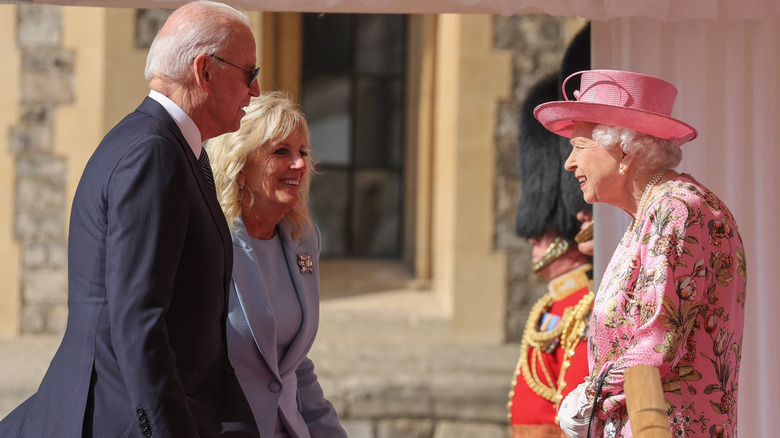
290, 386
149, 259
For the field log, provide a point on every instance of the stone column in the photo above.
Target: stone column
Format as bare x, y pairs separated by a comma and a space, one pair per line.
468, 273
39, 223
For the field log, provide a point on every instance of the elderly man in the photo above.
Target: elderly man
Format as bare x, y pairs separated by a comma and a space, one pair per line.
150, 258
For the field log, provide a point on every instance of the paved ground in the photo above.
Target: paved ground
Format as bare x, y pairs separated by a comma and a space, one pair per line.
372, 359
23, 362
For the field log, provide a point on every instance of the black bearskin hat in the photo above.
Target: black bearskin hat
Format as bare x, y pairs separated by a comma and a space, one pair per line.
576, 58
550, 196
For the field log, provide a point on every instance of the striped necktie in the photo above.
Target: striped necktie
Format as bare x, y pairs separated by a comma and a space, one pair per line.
206, 166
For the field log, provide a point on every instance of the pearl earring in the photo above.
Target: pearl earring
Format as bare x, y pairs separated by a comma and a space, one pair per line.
621, 171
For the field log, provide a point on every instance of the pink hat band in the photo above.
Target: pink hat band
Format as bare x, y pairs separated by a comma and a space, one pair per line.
618, 98
597, 87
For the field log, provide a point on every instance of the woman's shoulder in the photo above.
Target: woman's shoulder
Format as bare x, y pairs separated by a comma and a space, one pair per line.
689, 205
308, 234
686, 192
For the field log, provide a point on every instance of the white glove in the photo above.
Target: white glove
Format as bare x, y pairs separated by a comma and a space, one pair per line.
574, 413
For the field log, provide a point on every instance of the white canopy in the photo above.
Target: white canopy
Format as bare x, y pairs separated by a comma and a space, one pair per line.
725, 57
668, 10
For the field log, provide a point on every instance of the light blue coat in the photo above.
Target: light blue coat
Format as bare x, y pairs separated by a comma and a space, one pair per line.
290, 386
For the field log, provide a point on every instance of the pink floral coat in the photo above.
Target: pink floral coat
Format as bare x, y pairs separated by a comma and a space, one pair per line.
673, 296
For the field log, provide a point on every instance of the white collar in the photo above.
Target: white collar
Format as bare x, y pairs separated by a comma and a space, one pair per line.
188, 128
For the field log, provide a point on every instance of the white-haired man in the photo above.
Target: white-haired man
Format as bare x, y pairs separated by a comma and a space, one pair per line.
150, 259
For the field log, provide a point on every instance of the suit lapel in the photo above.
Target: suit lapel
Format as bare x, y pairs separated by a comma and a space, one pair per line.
153, 108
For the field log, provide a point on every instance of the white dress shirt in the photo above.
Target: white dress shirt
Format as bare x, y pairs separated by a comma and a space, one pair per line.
183, 121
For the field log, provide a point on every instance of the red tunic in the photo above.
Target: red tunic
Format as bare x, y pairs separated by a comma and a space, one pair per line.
529, 408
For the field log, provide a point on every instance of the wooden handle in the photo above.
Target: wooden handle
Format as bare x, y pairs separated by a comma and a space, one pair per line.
645, 402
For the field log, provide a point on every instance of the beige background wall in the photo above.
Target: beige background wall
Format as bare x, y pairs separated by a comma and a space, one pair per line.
466, 80
469, 275
9, 248
109, 83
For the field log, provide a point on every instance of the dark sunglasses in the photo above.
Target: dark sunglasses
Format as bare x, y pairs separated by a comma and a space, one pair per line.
252, 74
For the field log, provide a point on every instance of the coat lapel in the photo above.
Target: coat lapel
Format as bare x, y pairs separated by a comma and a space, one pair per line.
254, 300
253, 297
153, 108
307, 287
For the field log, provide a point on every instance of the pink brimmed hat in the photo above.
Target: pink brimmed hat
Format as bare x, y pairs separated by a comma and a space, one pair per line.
618, 98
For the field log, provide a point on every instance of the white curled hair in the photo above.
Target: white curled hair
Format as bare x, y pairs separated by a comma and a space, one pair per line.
651, 152
202, 28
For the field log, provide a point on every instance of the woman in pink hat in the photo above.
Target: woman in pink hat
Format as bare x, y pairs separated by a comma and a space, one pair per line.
673, 294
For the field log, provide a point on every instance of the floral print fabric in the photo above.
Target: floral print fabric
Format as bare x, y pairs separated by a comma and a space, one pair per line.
673, 297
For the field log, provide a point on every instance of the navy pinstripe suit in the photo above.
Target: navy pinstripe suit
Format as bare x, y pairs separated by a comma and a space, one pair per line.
150, 258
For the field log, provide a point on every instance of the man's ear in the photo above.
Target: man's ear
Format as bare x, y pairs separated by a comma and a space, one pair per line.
201, 69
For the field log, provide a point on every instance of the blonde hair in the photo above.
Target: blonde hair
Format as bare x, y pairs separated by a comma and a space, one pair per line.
270, 118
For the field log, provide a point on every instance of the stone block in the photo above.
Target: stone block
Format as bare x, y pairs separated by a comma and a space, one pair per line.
37, 114
453, 360
34, 255
508, 122
147, 23
405, 428
390, 396
30, 139
41, 166
49, 60
542, 32
45, 286
58, 254
509, 186
471, 396
506, 237
39, 26
41, 195
515, 325
56, 318
449, 429
519, 262
33, 318
44, 87
358, 428
338, 401
513, 301
36, 225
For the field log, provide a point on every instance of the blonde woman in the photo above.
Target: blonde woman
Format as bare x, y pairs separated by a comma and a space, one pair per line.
262, 174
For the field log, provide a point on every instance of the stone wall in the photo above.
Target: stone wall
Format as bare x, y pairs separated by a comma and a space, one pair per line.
402, 387
39, 224
537, 44
389, 376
